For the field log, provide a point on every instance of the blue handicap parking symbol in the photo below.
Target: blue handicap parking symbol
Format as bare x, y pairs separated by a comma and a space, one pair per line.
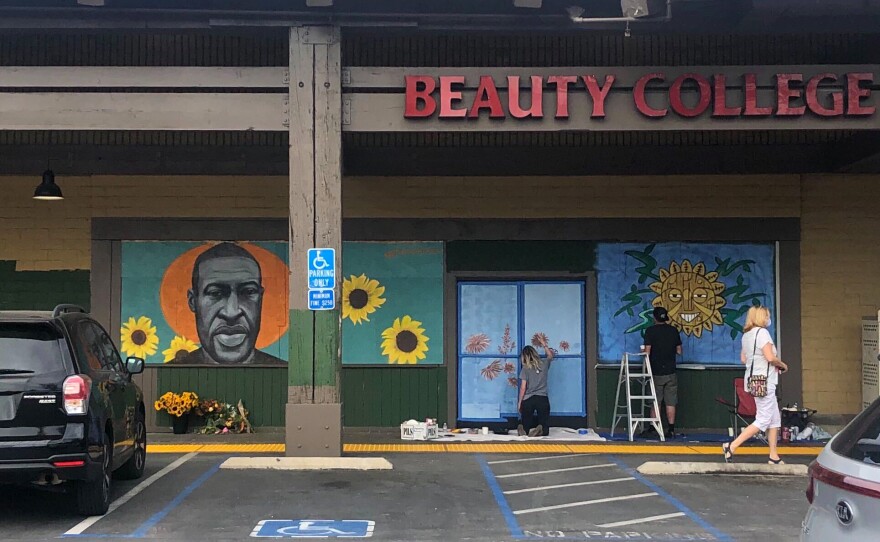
313, 528
322, 268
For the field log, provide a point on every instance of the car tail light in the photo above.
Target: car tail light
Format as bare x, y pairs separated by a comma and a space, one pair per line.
76, 394
68, 464
818, 473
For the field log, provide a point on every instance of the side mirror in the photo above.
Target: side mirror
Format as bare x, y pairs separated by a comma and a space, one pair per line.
134, 365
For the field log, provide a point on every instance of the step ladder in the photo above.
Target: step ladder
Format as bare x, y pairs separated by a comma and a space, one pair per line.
647, 395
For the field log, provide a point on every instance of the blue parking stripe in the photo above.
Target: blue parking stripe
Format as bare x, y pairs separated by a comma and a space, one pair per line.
509, 518
723, 537
145, 527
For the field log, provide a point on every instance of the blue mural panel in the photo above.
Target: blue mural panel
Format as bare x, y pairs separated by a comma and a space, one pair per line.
706, 287
495, 320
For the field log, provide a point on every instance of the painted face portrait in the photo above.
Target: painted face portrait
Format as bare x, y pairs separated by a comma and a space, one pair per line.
227, 299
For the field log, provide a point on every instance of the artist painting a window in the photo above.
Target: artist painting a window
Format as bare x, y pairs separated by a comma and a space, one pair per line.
534, 404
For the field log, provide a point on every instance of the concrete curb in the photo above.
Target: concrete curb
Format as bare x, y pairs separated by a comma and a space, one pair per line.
307, 463
693, 467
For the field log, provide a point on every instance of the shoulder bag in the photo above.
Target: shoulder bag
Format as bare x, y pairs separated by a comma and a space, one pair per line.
757, 384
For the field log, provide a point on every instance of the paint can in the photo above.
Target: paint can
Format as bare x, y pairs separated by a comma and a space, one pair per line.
485, 430
786, 434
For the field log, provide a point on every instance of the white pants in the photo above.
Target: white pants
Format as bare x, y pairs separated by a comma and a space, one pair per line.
768, 416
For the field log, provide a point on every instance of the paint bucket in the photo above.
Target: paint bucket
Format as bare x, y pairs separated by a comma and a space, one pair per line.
485, 430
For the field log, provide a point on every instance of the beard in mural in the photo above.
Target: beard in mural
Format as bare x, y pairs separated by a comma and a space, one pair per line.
691, 296
227, 301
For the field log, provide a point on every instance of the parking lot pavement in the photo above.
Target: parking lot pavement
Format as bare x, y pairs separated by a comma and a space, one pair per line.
425, 497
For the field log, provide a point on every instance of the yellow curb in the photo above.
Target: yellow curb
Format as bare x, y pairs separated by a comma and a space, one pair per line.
512, 448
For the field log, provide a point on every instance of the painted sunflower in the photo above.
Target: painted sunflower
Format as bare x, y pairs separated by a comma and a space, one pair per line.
180, 347
139, 337
361, 296
405, 341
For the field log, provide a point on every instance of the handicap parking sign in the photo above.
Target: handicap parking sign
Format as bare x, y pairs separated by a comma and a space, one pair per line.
322, 300
322, 268
313, 528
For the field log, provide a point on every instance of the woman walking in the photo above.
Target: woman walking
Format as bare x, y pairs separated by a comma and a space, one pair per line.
763, 367
534, 405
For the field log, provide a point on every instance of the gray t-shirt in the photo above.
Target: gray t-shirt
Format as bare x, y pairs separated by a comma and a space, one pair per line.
536, 381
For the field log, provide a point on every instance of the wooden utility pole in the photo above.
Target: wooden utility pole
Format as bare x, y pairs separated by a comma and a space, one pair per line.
314, 409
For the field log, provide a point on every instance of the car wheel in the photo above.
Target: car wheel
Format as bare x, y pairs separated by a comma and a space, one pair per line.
134, 467
93, 496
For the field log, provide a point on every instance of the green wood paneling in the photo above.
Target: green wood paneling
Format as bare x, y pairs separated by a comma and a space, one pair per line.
697, 391
371, 396
569, 256
387, 396
263, 390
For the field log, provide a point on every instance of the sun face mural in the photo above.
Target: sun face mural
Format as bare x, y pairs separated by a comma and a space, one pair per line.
405, 341
707, 288
361, 297
691, 296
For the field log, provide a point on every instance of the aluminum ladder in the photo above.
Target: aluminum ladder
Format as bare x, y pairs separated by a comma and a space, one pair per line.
645, 378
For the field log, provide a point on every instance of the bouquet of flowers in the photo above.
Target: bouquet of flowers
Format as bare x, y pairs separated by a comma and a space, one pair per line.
223, 417
177, 404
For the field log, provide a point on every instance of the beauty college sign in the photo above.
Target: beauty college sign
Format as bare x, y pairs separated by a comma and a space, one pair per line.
626, 98
794, 95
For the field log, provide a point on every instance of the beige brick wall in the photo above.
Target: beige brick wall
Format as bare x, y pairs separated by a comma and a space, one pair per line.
840, 260
42, 235
572, 197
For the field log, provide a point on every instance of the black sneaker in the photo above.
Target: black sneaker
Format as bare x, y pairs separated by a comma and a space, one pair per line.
670, 435
650, 432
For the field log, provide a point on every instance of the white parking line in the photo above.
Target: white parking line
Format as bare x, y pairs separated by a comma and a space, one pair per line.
91, 520
560, 486
642, 520
584, 503
555, 470
545, 458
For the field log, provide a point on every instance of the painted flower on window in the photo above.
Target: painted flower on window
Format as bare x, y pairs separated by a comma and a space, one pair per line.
139, 337
405, 341
361, 296
180, 347
489, 372
477, 344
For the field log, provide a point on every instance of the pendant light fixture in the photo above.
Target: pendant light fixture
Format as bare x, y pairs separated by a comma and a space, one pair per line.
48, 190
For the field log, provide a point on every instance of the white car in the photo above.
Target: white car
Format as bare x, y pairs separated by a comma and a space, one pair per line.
844, 490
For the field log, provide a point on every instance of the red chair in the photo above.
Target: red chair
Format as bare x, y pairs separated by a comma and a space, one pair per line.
743, 409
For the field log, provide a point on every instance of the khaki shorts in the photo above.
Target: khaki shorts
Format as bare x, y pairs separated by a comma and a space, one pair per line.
667, 389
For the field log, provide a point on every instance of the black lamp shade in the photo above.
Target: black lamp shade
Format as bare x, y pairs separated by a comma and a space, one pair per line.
48, 190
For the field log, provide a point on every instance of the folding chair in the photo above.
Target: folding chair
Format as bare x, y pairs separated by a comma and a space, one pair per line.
742, 410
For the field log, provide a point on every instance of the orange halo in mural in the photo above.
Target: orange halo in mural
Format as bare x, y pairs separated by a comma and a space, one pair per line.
178, 280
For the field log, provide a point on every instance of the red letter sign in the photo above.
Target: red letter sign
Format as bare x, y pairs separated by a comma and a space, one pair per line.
855, 93
448, 96
487, 98
598, 94
702, 87
752, 109
639, 96
784, 94
562, 82
536, 109
813, 97
416, 96
721, 109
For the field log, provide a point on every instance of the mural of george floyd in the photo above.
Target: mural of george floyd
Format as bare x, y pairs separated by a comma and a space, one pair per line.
213, 303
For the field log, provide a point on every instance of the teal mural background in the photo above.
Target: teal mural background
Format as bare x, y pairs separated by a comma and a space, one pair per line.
143, 266
412, 274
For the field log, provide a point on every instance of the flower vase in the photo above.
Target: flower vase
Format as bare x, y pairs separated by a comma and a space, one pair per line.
180, 424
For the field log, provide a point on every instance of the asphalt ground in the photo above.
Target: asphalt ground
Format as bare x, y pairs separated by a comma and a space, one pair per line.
443, 497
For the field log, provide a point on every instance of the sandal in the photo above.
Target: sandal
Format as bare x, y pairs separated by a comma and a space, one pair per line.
728, 455
775, 461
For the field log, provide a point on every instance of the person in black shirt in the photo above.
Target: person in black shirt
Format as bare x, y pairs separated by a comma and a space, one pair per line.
663, 344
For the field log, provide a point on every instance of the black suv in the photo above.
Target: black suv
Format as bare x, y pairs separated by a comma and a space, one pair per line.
69, 412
